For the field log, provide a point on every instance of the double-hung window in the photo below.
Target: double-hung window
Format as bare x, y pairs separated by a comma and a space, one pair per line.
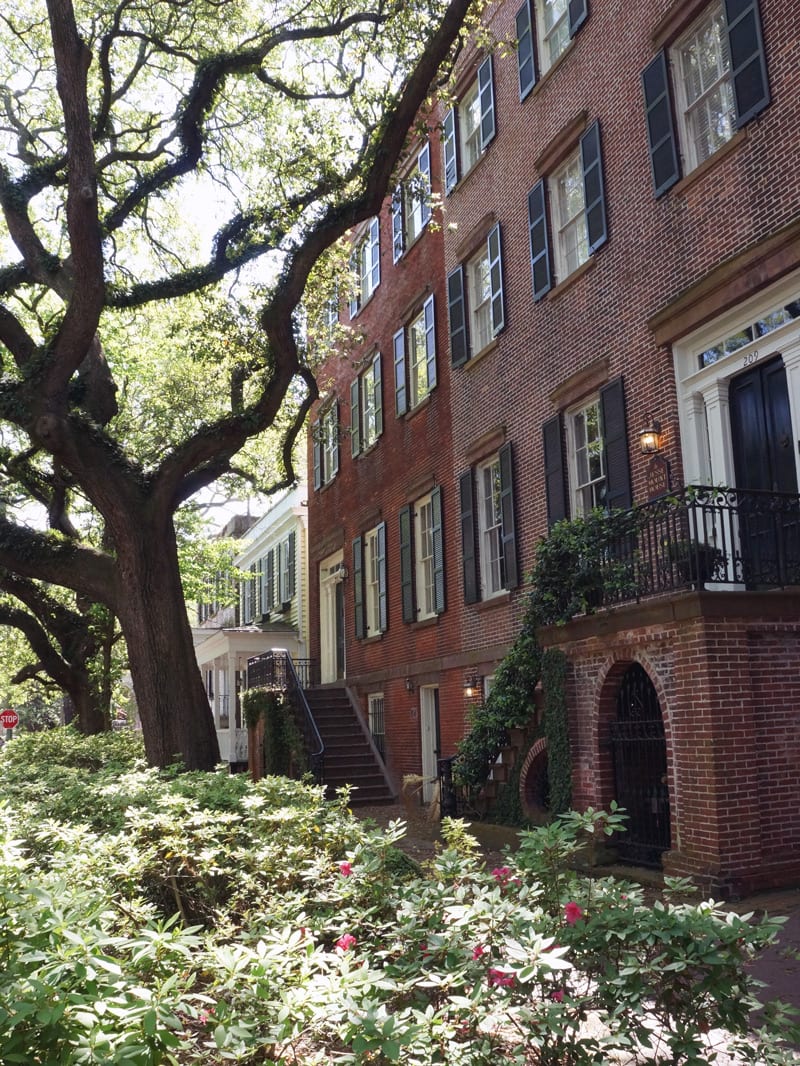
475, 300
469, 127
366, 407
586, 456
577, 224
544, 29
411, 204
365, 267
713, 79
325, 446
369, 582
488, 537
422, 558
415, 359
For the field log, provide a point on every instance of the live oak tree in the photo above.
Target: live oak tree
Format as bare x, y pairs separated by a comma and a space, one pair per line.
280, 123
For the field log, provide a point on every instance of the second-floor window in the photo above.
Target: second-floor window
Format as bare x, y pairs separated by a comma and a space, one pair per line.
544, 29
422, 558
369, 582
365, 267
488, 536
366, 407
415, 359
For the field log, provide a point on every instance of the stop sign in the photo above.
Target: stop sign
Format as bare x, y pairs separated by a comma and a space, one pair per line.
9, 718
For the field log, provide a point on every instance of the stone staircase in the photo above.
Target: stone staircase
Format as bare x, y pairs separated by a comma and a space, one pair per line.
350, 756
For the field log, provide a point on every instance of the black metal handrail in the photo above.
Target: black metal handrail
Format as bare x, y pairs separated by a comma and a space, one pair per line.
276, 670
702, 536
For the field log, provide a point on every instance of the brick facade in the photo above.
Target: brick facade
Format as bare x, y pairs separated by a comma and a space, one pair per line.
668, 271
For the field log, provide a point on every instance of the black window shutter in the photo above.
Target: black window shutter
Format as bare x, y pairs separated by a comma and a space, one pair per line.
486, 94
593, 188
334, 415
438, 550
383, 600
470, 561
316, 445
459, 350
424, 167
660, 126
450, 149
377, 388
399, 344
526, 64
429, 319
355, 417
292, 549
615, 446
406, 566
748, 60
494, 250
398, 236
358, 588
509, 536
554, 472
270, 580
540, 249
578, 13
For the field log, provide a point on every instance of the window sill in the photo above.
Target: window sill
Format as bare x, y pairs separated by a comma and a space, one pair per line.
708, 164
366, 303
408, 245
423, 403
374, 638
464, 178
368, 449
478, 356
500, 600
571, 279
541, 84
426, 623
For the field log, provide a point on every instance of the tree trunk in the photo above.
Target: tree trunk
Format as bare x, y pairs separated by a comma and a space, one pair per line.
90, 714
176, 718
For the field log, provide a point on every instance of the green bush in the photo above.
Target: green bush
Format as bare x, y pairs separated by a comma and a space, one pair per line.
215, 921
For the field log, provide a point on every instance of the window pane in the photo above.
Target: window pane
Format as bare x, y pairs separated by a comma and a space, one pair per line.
469, 123
418, 366
480, 296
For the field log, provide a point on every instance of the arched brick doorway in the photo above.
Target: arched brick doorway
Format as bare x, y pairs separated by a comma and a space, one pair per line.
639, 758
534, 784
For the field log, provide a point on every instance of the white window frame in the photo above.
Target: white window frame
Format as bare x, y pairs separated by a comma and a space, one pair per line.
283, 571
365, 264
570, 236
469, 128
424, 569
490, 529
479, 300
369, 384
371, 583
552, 34
329, 445
689, 107
419, 384
586, 491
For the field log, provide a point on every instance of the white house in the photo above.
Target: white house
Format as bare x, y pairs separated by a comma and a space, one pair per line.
271, 612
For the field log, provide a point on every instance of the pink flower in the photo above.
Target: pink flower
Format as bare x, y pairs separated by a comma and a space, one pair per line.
558, 995
345, 869
478, 950
424, 948
572, 913
500, 978
501, 874
344, 943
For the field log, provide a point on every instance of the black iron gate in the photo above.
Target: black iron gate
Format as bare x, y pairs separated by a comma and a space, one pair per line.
639, 753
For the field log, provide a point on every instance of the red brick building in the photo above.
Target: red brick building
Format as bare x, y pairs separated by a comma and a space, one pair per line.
619, 251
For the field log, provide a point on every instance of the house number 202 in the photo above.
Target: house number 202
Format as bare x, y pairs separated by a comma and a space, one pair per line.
750, 358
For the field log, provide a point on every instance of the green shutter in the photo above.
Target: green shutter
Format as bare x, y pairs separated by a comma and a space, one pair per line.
469, 560
317, 452
292, 549
355, 417
377, 393
456, 307
450, 150
526, 64
496, 278
398, 239
424, 167
486, 97
438, 551
400, 391
406, 566
430, 340
383, 599
358, 588
509, 536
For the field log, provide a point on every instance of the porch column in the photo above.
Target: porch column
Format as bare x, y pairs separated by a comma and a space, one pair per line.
695, 453
791, 360
720, 443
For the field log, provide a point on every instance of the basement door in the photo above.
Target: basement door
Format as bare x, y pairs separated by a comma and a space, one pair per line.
429, 732
639, 752
763, 458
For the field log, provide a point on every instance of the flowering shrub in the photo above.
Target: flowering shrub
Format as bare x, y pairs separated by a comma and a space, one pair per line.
200, 918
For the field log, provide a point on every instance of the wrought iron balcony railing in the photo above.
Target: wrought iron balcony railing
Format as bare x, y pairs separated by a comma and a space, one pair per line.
702, 537
277, 670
